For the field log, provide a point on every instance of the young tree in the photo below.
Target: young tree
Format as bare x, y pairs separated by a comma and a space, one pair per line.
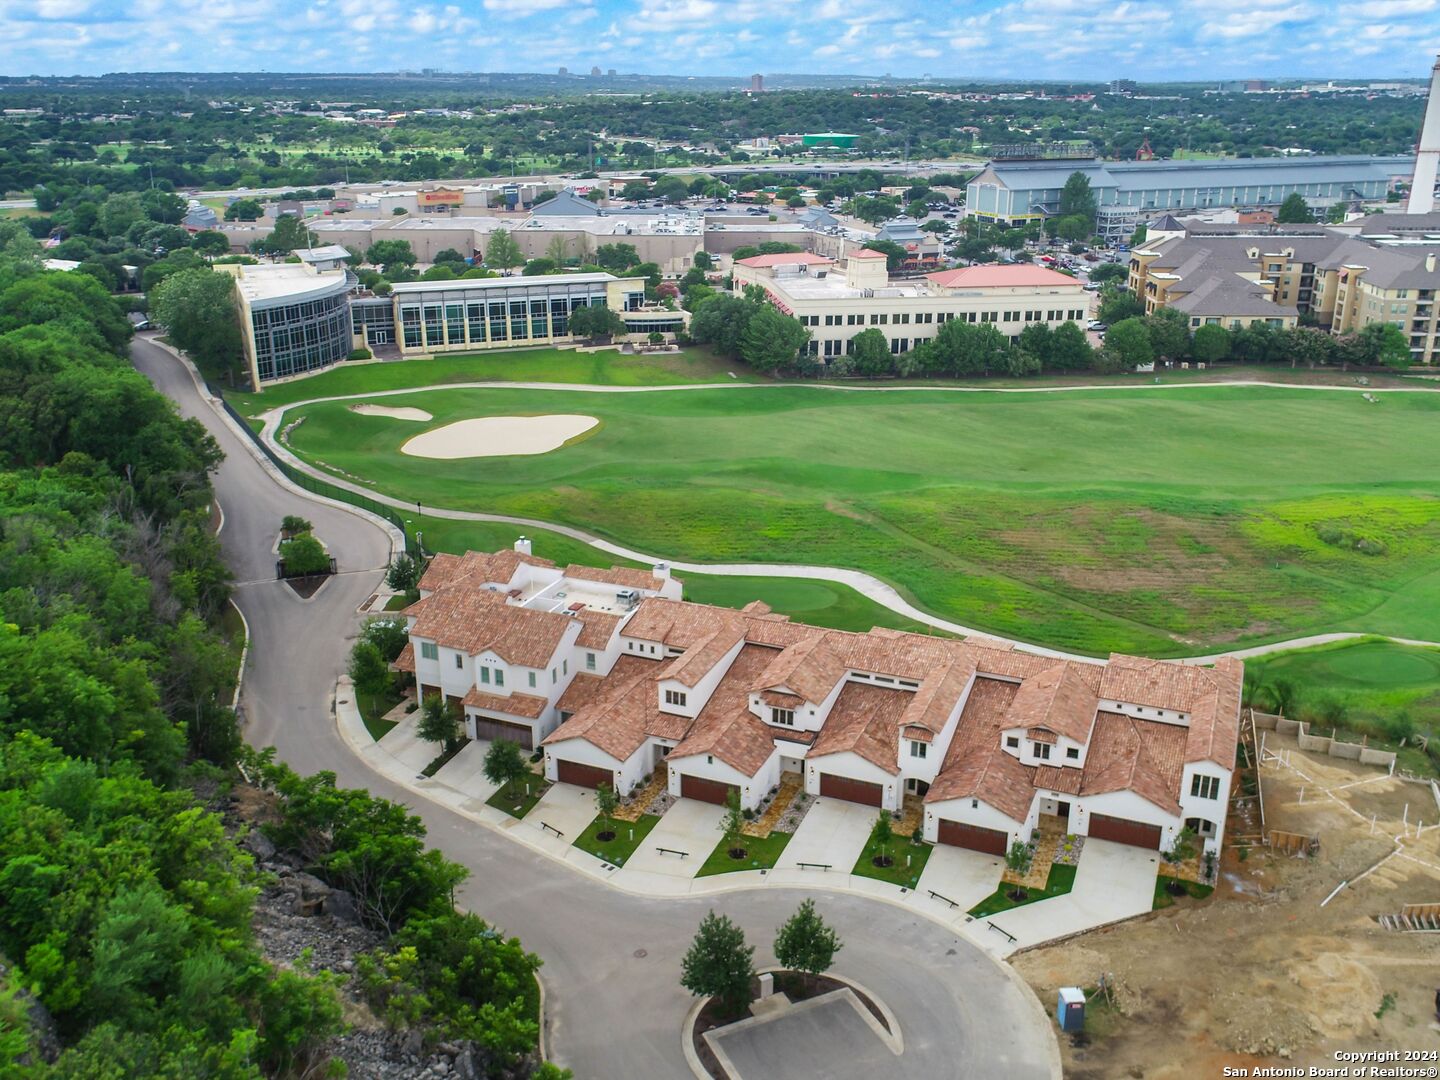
503, 253
734, 819
558, 250
404, 573
772, 340
1294, 210
719, 964
805, 944
504, 764
1185, 847
870, 353
368, 669
438, 716
303, 555
704, 261
606, 803
617, 257
1130, 341
388, 634
882, 835
289, 234
1018, 858
294, 525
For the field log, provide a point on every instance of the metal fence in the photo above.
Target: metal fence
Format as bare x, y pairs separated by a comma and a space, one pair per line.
317, 486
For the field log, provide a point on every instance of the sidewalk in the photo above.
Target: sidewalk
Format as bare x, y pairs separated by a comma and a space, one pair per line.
468, 800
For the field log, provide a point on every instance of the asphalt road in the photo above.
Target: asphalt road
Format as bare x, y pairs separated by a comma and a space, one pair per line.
611, 960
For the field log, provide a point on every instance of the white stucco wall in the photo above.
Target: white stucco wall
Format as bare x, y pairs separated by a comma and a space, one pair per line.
980, 814
852, 765
1127, 805
752, 789
629, 772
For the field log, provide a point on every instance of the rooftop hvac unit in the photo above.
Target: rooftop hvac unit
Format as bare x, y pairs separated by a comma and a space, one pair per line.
627, 598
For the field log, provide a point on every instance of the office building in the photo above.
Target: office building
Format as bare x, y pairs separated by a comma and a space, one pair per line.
294, 318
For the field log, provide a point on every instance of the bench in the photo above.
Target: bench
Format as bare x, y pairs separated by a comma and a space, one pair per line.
552, 828
937, 896
997, 929
672, 851
813, 865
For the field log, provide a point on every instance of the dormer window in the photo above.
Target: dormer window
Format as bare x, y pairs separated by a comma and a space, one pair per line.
783, 717
919, 749
1042, 751
675, 697
1072, 753
429, 650
1013, 742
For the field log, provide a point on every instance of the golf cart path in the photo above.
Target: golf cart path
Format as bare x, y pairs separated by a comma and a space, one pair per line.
872, 588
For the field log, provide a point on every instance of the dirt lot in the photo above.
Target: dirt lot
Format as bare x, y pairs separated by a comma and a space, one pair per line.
1260, 973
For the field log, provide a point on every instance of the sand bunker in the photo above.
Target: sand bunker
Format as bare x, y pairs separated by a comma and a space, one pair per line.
499, 436
393, 414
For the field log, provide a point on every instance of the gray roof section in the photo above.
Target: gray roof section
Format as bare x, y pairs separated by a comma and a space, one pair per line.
1228, 294
1142, 175
566, 202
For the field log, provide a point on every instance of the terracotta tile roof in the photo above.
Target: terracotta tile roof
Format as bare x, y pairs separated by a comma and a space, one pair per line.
865, 719
917, 734
700, 658
1041, 735
892, 652
725, 727
526, 705
1056, 778
674, 623
625, 576
1143, 756
586, 689
809, 668
1001, 276
1210, 695
867, 253
1058, 700
476, 567
597, 628
975, 766
475, 620
406, 660
939, 694
617, 719
781, 701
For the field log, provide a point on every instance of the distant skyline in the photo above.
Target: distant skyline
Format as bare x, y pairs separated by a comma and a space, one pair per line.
1187, 40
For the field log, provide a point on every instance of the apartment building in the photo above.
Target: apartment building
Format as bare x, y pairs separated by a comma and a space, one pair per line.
1377, 269
837, 302
619, 675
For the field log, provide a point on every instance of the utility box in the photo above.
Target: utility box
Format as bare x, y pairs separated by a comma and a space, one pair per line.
1070, 1009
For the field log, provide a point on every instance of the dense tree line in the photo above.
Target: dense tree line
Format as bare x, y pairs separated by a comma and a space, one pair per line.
125, 905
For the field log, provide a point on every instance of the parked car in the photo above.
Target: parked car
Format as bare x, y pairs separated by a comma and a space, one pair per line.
1096, 325
1090, 286
948, 215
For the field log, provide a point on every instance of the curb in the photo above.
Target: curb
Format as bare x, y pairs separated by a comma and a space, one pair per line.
244, 654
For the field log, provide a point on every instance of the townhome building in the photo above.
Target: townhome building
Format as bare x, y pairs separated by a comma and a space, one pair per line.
617, 676
837, 302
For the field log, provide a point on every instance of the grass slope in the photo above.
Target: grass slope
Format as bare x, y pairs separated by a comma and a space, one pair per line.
1163, 523
507, 365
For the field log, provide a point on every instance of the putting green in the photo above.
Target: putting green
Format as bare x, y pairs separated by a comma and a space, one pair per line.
1166, 522
1369, 665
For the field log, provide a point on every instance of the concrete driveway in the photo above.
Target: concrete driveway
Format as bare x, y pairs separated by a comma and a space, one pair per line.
466, 772
404, 743
1113, 881
689, 825
564, 807
961, 875
833, 832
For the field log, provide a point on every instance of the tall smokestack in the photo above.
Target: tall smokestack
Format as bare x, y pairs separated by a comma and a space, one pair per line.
1427, 158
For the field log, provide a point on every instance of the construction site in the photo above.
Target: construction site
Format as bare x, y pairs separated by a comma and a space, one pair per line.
1322, 935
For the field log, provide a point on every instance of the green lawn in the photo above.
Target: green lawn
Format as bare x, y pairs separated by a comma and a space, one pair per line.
1377, 687
513, 798
398, 602
1164, 523
628, 837
759, 855
909, 863
1061, 881
373, 708
441, 759
508, 365
1163, 899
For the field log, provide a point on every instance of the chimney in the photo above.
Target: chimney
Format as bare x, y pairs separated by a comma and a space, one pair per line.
1427, 158
1430, 262
522, 545
662, 571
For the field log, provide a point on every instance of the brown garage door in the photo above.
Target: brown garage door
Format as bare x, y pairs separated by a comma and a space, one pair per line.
842, 787
572, 772
711, 791
487, 728
974, 837
1124, 831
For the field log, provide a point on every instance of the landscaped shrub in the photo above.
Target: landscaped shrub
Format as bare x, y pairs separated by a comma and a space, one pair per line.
359, 354
302, 555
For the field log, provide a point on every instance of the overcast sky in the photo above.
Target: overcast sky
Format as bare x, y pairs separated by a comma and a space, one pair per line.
1058, 39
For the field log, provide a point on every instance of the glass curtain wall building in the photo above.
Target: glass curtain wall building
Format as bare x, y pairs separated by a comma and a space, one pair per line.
294, 319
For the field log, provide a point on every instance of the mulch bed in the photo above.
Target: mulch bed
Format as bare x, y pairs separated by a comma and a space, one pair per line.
798, 987
308, 586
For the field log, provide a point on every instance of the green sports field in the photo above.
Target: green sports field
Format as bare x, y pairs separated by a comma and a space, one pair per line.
1166, 522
